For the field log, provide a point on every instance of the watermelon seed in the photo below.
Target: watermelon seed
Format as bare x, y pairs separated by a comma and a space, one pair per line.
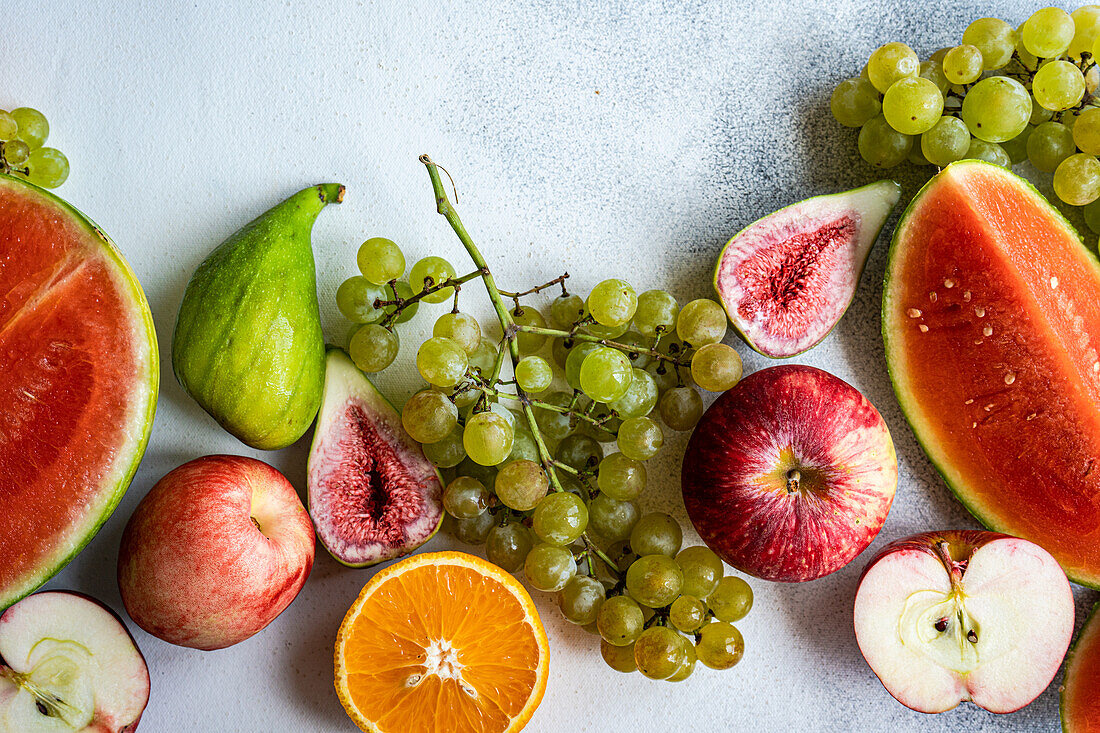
987, 331
979, 312
1010, 378
973, 424
1096, 366
914, 312
923, 328
933, 297
989, 407
966, 297
969, 401
1053, 282
949, 283
979, 342
1032, 416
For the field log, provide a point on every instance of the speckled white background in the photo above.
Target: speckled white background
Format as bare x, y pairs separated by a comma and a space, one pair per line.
603, 138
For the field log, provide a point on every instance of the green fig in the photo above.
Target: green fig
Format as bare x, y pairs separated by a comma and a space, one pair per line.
248, 345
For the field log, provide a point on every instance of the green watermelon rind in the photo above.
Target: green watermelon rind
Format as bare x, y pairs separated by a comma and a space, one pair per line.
851, 297
905, 401
139, 301
1092, 621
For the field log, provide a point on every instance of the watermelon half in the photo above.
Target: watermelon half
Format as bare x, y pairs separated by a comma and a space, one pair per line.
79, 366
991, 320
1081, 689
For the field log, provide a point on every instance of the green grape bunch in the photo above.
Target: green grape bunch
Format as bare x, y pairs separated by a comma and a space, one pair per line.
23, 132
1005, 95
544, 461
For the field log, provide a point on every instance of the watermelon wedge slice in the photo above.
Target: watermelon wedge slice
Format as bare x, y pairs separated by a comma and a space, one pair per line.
991, 319
79, 366
1080, 705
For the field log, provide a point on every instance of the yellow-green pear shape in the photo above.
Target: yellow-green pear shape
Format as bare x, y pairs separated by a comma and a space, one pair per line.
248, 344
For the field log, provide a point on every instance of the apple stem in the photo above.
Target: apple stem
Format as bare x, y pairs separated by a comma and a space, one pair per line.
794, 476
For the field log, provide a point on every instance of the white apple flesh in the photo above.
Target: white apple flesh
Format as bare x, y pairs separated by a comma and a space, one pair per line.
948, 617
67, 663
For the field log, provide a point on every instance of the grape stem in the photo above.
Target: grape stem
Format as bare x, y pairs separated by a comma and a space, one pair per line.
559, 280
400, 304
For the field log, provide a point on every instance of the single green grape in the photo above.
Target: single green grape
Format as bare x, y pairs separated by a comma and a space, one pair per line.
448, 452
575, 361
681, 408
995, 38
656, 533
380, 260
484, 357
640, 398
731, 600
549, 567
441, 361
1016, 148
853, 103
702, 570
402, 290
356, 297
659, 652
373, 348
429, 416
1077, 179
524, 446
933, 72
605, 374
1047, 33
507, 545
654, 580
580, 600
560, 518
1092, 216
1086, 30
701, 322
474, 531
1049, 144
610, 518
620, 620
640, 438
465, 498
891, 62
487, 438
716, 367
881, 145
989, 152
619, 658
31, 126
461, 328
612, 302
521, 485
621, 477
1086, 131
996, 109
664, 375
688, 665
529, 343
720, 645
687, 613
534, 374
553, 424
16, 153
912, 105
656, 313
946, 142
8, 126
581, 452
429, 272
565, 310
1058, 85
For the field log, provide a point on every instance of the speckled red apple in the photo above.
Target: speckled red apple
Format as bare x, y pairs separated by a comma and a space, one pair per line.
215, 551
790, 474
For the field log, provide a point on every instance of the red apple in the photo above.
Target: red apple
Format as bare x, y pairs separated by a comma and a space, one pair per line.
214, 552
790, 474
67, 663
944, 617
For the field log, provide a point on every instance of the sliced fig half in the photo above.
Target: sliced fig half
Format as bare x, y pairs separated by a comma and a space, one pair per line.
373, 496
785, 280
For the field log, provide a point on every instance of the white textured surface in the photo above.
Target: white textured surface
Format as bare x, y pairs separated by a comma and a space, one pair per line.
604, 138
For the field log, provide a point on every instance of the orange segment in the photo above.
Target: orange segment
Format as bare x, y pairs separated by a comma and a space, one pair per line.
442, 642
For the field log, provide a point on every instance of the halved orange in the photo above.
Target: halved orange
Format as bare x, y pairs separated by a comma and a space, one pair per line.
442, 642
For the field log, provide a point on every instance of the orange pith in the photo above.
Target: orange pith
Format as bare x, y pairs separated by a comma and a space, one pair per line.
441, 642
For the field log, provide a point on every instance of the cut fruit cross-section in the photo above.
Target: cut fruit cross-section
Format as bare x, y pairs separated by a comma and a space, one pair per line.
442, 641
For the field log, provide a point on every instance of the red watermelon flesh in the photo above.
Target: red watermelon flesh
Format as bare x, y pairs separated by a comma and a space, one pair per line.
78, 383
991, 318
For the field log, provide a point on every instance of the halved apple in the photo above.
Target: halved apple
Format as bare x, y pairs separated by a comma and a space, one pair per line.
67, 663
947, 617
